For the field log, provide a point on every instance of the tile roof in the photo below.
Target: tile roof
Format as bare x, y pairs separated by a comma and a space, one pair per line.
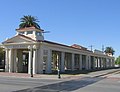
46, 41
28, 28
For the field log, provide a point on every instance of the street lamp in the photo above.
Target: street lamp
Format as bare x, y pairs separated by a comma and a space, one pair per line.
58, 70
31, 48
59, 74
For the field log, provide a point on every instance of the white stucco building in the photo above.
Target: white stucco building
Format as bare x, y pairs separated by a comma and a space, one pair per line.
29, 49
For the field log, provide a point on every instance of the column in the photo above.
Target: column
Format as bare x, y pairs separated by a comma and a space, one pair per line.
40, 58
105, 63
29, 61
94, 62
62, 61
35, 61
109, 63
6, 60
15, 60
87, 62
100, 62
80, 62
73, 63
113, 64
10, 60
97, 63
48, 63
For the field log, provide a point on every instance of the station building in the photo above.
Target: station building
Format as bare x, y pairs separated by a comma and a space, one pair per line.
28, 51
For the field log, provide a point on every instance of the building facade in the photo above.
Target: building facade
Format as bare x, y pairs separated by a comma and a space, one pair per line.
28, 51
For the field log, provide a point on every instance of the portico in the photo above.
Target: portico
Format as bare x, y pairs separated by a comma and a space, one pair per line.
18, 60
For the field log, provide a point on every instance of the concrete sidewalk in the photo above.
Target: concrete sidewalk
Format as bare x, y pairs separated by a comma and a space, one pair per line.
102, 72
63, 76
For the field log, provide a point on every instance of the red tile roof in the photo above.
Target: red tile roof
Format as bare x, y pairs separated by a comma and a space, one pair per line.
28, 28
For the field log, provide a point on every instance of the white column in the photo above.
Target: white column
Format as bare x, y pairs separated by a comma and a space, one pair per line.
35, 61
100, 62
103, 63
73, 62
15, 60
29, 61
6, 60
48, 63
94, 62
62, 61
86, 66
80, 62
106, 63
89, 57
97, 63
95, 58
113, 63
40, 58
10, 60
110, 62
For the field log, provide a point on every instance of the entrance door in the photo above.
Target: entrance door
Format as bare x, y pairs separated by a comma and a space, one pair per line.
25, 62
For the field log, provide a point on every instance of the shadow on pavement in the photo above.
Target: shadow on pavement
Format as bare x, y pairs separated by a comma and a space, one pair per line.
66, 86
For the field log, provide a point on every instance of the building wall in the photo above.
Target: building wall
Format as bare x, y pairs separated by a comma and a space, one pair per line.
67, 58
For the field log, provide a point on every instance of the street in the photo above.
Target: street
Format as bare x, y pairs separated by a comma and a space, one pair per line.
108, 81
8, 84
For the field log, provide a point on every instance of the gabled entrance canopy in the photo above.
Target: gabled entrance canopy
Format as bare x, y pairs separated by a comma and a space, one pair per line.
19, 54
18, 41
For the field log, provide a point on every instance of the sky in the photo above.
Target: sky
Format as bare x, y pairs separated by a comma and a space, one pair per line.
83, 22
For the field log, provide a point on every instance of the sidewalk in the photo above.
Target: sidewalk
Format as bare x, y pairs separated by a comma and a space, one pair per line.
40, 76
63, 76
103, 72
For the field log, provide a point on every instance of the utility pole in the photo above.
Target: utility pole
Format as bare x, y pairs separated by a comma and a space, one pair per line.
103, 48
91, 47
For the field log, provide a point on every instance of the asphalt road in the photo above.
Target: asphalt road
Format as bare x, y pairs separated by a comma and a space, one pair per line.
10, 84
79, 84
105, 85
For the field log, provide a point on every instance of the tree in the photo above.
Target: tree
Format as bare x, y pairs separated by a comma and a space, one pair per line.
117, 61
1, 55
109, 50
29, 21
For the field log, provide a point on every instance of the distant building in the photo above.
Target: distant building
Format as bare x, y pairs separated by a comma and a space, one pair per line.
28, 49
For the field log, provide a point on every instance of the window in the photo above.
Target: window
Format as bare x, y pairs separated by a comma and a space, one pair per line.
38, 33
29, 32
21, 32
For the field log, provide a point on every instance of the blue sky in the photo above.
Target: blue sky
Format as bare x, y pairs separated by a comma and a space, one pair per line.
83, 22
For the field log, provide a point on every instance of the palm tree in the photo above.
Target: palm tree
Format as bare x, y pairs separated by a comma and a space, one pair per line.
29, 21
109, 50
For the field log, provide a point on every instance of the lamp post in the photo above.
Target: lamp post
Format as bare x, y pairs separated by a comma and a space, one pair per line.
31, 48
59, 74
58, 70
